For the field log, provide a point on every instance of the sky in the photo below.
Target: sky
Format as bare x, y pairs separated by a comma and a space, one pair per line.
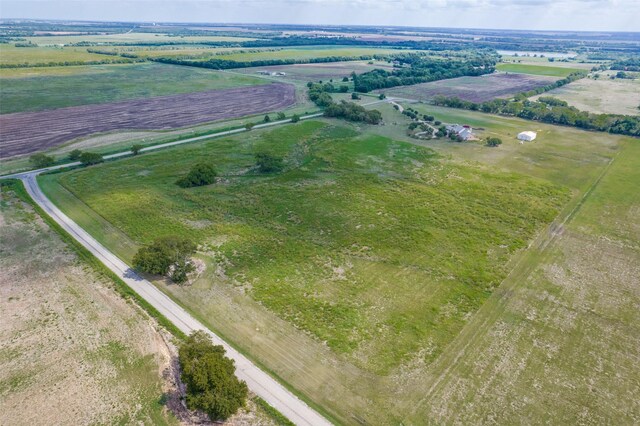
580, 15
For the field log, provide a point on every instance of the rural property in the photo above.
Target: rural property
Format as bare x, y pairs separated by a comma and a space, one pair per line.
294, 224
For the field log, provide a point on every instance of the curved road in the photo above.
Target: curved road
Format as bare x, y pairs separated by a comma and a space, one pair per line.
258, 381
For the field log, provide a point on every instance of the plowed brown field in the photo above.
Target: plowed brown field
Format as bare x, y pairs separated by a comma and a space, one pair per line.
24, 133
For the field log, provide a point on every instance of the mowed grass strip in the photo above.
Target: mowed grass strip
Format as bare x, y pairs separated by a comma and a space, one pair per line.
537, 69
110, 83
376, 247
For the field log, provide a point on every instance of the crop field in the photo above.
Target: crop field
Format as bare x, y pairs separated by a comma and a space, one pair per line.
36, 89
475, 89
26, 132
322, 71
307, 53
529, 60
11, 55
379, 249
547, 70
199, 51
602, 96
128, 38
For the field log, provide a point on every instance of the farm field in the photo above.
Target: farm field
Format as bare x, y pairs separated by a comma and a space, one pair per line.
34, 89
381, 330
128, 38
322, 71
70, 345
567, 319
27, 132
546, 70
173, 51
474, 89
529, 60
307, 53
602, 96
11, 55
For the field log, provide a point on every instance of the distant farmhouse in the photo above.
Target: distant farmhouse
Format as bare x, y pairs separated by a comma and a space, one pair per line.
527, 136
273, 74
463, 132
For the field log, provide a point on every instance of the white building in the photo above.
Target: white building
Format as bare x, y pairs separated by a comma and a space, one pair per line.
465, 132
527, 136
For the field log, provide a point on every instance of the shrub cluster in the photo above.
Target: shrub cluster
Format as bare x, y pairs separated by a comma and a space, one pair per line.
201, 174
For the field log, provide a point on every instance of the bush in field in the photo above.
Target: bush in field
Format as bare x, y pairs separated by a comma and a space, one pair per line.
268, 163
295, 118
41, 160
267, 119
201, 174
209, 377
166, 256
90, 158
75, 155
493, 142
135, 149
355, 96
281, 116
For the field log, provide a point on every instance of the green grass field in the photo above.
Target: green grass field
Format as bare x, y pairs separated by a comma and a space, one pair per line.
11, 55
201, 51
601, 96
109, 83
306, 53
549, 70
377, 248
559, 341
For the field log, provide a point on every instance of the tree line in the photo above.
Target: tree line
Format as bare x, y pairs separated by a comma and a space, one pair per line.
550, 110
559, 83
320, 95
223, 64
419, 69
631, 64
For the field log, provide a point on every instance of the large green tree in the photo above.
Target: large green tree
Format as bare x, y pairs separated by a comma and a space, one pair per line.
209, 377
166, 256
